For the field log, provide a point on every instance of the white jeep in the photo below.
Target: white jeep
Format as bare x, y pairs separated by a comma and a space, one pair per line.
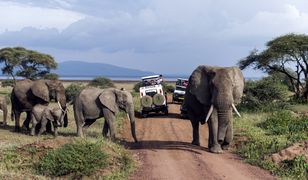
153, 98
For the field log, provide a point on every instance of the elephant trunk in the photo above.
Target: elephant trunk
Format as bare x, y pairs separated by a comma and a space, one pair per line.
224, 112
131, 118
224, 118
62, 100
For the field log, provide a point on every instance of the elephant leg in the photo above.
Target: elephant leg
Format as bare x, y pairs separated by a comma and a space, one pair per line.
27, 121
229, 136
17, 118
213, 126
34, 123
49, 127
4, 109
110, 118
210, 139
55, 131
195, 127
43, 126
105, 129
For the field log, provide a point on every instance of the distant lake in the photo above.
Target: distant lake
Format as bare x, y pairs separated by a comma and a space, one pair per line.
135, 78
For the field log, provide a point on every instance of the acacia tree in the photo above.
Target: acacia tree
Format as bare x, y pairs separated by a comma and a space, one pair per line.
286, 54
19, 61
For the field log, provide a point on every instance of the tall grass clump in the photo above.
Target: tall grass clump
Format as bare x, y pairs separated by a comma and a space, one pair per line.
102, 82
73, 90
78, 158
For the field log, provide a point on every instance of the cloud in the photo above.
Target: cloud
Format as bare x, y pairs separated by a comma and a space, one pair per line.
153, 34
17, 16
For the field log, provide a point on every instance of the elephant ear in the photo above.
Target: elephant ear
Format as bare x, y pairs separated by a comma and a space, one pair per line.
238, 84
48, 114
108, 99
199, 84
40, 90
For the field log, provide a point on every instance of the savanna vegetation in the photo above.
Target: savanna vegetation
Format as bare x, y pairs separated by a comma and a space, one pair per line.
273, 132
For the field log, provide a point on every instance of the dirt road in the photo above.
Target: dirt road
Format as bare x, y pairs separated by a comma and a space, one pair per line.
165, 152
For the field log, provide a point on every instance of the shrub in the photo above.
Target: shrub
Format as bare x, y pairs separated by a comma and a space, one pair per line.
265, 95
167, 87
78, 158
73, 90
7, 83
296, 168
51, 76
101, 82
137, 86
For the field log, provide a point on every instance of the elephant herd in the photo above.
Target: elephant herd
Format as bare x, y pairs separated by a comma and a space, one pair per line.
210, 96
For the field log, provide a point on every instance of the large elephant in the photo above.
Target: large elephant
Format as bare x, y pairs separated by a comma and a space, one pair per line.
27, 93
3, 108
93, 103
211, 95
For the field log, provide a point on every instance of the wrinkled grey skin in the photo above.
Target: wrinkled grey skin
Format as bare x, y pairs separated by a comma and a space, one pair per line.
3, 107
42, 114
27, 93
219, 87
93, 103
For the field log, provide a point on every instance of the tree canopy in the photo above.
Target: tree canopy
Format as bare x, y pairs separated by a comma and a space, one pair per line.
19, 61
286, 54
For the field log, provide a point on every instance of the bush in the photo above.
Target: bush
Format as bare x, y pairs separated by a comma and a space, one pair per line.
137, 86
265, 95
78, 158
167, 87
51, 76
7, 83
101, 82
73, 90
296, 168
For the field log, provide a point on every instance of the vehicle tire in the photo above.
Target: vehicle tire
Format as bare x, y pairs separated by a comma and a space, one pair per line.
146, 101
166, 112
144, 114
158, 99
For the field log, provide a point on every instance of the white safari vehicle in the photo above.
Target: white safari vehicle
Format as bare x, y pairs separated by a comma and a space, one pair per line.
153, 98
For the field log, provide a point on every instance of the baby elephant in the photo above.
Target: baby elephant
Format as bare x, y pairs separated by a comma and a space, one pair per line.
42, 114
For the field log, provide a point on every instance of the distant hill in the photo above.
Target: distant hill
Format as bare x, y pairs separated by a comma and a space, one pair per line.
84, 69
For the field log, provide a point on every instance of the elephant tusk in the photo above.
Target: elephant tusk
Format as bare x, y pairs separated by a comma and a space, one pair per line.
128, 116
61, 107
236, 110
209, 113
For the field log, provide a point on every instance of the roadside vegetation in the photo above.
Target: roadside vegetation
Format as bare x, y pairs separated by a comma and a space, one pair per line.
273, 132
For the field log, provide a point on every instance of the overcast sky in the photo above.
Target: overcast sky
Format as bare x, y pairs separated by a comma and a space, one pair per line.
163, 36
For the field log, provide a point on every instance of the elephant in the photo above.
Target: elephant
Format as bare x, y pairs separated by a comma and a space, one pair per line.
42, 114
211, 94
27, 93
3, 108
93, 103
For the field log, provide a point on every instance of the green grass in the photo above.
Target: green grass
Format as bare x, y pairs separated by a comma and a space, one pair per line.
268, 133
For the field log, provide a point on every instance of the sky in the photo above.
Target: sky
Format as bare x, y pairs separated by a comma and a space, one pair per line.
162, 36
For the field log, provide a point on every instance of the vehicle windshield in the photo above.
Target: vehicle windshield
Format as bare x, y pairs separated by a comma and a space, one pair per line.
182, 82
152, 81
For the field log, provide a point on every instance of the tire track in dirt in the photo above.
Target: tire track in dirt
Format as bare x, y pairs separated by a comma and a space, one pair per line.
165, 152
